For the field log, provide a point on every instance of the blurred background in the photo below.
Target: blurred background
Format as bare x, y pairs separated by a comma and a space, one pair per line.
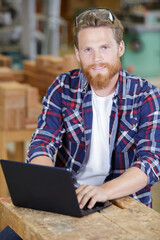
32, 27
36, 44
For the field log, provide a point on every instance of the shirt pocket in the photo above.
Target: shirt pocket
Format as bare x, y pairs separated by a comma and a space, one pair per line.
126, 134
73, 124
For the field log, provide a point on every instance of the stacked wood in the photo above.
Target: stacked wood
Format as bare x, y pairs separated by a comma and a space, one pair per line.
6, 74
41, 72
70, 62
18, 76
5, 61
33, 107
19, 106
12, 106
49, 64
34, 78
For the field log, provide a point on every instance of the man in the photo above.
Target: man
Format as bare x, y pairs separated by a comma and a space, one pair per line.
104, 122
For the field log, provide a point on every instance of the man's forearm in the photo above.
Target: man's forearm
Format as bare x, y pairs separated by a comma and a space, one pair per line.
129, 182
42, 160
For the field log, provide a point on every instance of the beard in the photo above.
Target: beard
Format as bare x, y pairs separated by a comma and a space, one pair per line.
101, 81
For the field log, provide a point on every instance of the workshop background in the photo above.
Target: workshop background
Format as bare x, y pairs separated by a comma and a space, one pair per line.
36, 44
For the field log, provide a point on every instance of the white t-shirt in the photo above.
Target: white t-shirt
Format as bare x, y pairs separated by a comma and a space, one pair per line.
97, 164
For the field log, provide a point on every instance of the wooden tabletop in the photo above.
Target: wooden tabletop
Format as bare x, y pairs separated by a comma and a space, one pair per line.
125, 219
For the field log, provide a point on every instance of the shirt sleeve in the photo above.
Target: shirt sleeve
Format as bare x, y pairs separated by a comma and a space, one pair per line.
148, 137
47, 137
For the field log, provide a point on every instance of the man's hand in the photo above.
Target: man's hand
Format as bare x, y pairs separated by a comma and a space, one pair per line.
91, 194
129, 182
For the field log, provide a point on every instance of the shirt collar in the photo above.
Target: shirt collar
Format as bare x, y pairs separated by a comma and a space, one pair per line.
121, 89
83, 81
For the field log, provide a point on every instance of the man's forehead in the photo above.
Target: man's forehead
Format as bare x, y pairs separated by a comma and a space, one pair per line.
92, 35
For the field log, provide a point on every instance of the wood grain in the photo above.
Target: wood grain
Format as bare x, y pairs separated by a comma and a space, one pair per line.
132, 220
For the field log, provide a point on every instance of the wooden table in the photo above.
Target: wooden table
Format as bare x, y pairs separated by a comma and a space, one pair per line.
125, 219
18, 137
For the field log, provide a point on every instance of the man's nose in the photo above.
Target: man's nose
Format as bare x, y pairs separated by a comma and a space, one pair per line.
97, 56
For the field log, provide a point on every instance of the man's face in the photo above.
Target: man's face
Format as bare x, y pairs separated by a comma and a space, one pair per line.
99, 55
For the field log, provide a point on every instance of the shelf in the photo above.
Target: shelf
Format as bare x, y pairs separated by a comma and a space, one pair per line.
9, 48
6, 29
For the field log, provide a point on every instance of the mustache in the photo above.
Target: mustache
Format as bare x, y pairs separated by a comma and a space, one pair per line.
97, 65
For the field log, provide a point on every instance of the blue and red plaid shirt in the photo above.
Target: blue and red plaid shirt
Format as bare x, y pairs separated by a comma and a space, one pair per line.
66, 124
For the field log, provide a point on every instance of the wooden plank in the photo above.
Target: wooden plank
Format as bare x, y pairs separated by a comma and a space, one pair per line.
70, 62
33, 113
135, 216
29, 65
18, 104
6, 74
155, 191
19, 153
40, 80
15, 100
5, 60
32, 97
38, 225
12, 94
49, 63
18, 75
42, 72
12, 118
12, 105
4, 190
3, 155
17, 135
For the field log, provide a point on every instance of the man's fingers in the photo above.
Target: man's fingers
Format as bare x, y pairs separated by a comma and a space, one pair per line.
82, 195
89, 195
83, 186
92, 202
86, 194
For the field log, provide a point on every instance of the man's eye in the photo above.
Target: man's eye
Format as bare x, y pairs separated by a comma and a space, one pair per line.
87, 50
105, 47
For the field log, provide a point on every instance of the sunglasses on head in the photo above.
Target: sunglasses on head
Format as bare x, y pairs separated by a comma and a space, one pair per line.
102, 13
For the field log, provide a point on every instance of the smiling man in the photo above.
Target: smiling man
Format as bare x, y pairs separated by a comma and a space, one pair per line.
103, 123
99, 57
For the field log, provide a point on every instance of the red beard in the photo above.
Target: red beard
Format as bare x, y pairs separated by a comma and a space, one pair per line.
100, 81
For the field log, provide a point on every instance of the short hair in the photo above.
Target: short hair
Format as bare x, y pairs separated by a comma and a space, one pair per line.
98, 17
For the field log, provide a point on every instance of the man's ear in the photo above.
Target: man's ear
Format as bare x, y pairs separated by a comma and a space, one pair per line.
121, 48
77, 54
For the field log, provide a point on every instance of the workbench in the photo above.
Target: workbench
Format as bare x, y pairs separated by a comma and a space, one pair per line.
125, 219
18, 137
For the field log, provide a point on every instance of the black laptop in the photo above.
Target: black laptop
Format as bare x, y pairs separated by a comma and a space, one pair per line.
44, 188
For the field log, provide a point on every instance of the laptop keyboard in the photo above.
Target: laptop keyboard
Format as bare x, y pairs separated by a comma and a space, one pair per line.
96, 206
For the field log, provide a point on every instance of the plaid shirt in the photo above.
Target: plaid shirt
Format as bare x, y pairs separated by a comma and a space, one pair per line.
66, 123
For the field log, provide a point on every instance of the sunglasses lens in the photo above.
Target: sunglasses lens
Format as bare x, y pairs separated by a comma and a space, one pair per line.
101, 13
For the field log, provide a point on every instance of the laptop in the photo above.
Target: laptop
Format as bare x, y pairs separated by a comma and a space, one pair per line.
44, 188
